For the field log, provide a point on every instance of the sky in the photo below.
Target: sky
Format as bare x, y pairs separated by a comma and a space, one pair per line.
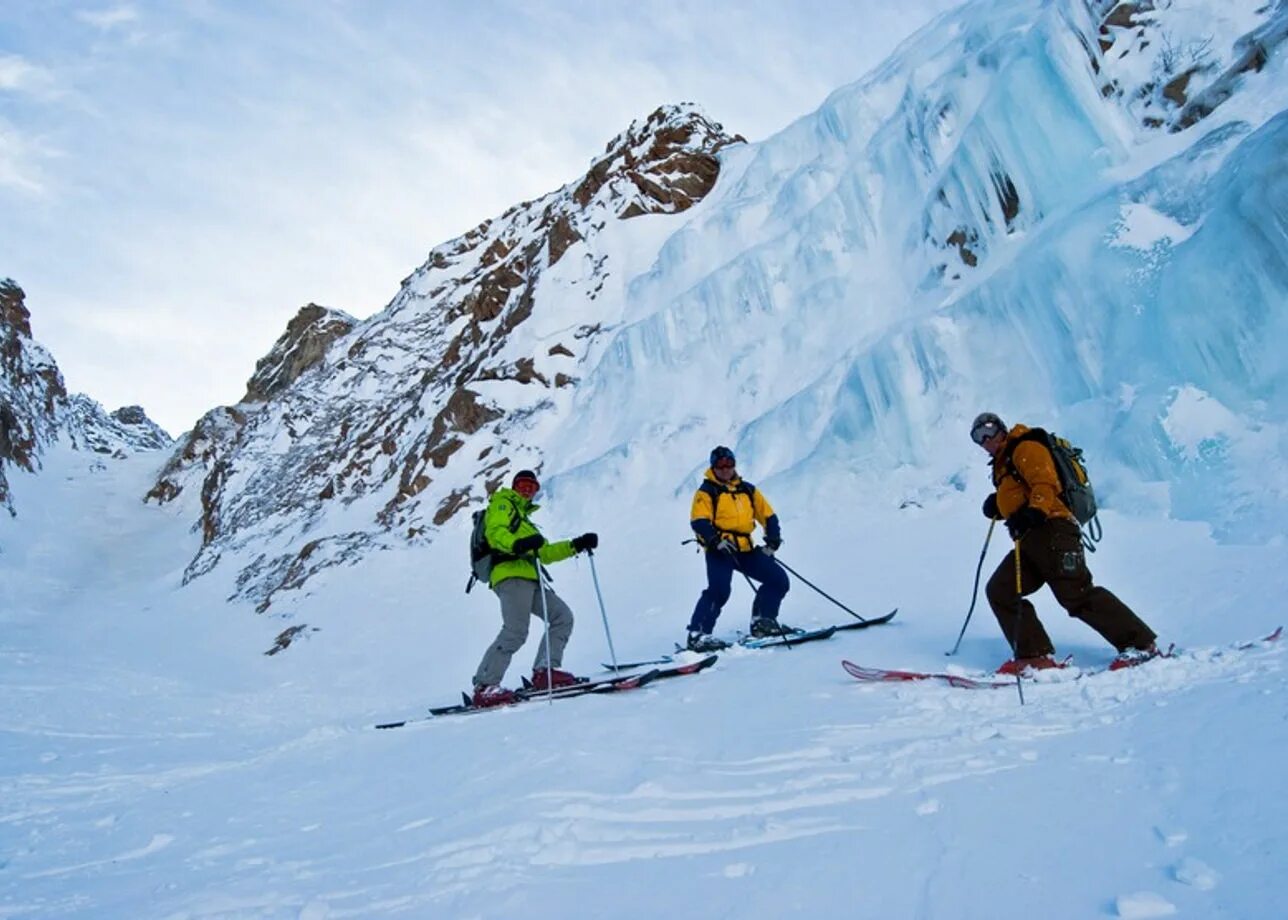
178, 178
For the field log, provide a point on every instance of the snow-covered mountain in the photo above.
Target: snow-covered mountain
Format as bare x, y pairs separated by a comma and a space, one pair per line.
353, 436
1030, 206
1071, 213
36, 410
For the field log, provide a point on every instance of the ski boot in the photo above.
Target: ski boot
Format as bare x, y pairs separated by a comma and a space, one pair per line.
764, 628
1036, 663
553, 679
489, 695
1129, 658
704, 642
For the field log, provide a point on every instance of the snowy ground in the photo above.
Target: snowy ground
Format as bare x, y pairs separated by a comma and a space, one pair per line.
154, 763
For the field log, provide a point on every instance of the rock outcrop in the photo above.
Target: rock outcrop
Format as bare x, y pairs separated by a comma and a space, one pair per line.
36, 410
397, 418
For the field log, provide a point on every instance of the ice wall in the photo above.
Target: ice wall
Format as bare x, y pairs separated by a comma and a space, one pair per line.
977, 224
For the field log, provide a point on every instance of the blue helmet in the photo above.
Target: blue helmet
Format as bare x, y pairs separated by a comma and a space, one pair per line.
722, 453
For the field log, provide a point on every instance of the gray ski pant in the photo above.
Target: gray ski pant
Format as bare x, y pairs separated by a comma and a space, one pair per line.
520, 601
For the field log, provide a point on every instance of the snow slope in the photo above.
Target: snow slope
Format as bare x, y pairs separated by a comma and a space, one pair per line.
815, 312
155, 764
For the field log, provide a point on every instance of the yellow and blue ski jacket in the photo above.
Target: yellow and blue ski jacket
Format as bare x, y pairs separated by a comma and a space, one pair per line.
731, 510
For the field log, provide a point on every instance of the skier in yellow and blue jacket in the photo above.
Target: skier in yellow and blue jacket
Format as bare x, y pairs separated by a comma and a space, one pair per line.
725, 512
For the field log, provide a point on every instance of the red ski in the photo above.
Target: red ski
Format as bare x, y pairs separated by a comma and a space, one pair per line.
989, 682
952, 680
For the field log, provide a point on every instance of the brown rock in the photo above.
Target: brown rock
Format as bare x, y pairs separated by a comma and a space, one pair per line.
562, 235
308, 336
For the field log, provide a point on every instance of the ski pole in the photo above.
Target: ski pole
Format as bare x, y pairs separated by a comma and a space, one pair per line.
602, 612
974, 592
1019, 616
545, 618
750, 584
776, 558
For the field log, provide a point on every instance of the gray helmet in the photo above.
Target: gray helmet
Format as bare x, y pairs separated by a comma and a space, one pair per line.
985, 426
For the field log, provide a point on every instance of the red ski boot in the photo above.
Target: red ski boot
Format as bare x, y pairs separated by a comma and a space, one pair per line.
1131, 657
543, 679
1038, 663
489, 695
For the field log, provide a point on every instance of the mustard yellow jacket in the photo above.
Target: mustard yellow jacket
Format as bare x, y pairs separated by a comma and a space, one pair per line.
740, 507
1040, 486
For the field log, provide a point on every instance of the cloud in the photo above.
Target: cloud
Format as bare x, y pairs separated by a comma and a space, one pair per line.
110, 17
19, 158
18, 75
239, 160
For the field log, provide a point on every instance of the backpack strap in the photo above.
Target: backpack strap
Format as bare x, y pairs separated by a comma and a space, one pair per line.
1033, 434
715, 491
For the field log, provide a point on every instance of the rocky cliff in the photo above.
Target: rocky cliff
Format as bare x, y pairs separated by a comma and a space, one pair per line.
406, 418
36, 409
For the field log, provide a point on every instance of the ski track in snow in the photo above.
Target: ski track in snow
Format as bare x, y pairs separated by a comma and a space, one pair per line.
121, 787
821, 781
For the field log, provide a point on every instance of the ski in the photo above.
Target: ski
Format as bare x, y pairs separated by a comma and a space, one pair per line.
529, 694
1264, 640
691, 667
647, 663
864, 624
747, 643
613, 684
894, 676
799, 638
992, 681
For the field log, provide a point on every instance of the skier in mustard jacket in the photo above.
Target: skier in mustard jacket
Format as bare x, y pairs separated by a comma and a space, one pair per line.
726, 510
1027, 497
518, 547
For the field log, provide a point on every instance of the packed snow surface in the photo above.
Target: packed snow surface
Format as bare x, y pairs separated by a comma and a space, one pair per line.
156, 764
814, 313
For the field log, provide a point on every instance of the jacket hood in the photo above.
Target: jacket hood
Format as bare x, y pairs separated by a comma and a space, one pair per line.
1015, 432
519, 501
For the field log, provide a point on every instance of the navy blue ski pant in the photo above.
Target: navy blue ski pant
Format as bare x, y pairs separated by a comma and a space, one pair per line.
720, 571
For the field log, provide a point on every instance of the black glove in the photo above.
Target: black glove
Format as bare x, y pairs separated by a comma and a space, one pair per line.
772, 544
1024, 520
525, 545
990, 507
584, 542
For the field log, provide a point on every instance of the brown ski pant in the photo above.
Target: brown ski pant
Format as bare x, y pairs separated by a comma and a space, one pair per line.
1052, 554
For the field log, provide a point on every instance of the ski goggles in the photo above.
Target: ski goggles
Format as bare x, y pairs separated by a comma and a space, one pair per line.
984, 430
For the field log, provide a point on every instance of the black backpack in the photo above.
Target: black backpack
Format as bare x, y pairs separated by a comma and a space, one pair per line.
715, 491
1076, 492
483, 558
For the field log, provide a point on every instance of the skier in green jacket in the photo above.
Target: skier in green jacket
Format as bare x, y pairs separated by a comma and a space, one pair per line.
517, 549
